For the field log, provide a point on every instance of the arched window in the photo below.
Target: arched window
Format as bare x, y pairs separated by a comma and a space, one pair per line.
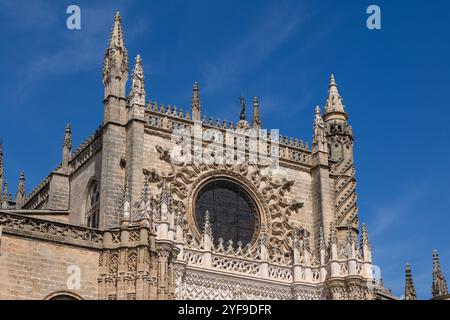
63, 295
92, 211
233, 214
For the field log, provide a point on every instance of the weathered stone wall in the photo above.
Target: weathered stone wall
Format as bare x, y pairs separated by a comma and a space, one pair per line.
79, 182
112, 175
35, 269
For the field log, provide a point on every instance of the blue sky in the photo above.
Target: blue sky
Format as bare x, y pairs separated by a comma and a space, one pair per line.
395, 83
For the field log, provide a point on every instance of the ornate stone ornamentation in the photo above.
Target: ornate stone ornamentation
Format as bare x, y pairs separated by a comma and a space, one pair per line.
269, 192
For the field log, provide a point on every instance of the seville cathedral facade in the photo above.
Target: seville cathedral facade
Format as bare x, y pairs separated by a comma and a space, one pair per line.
130, 215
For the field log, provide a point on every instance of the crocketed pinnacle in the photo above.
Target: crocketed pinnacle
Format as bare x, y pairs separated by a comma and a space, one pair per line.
410, 290
68, 137
196, 107
439, 283
137, 94
116, 55
20, 194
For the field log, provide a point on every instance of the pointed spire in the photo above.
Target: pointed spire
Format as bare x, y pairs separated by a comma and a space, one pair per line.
116, 55
256, 116
410, 290
196, 107
137, 94
334, 103
20, 194
333, 87
116, 39
439, 283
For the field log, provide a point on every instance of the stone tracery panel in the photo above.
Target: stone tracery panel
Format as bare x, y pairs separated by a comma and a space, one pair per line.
268, 192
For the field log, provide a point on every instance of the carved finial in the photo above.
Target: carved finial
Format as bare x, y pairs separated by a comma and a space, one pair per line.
264, 240
143, 213
242, 115
196, 106
332, 82
230, 248
319, 130
334, 101
67, 146
296, 238
242, 125
137, 94
207, 226
126, 202
20, 194
439, 283
410, 290
256, 116
68, 137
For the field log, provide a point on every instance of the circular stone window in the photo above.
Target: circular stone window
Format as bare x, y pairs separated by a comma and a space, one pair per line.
233, 214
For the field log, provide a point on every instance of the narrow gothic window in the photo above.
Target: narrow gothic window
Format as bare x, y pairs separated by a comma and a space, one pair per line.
93, 205
233, 213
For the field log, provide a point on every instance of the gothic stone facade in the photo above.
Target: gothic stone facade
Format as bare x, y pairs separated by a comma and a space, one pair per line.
116, 219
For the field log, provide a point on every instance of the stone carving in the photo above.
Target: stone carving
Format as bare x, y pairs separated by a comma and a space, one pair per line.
196, 286
345, 186
269, 191
46, 229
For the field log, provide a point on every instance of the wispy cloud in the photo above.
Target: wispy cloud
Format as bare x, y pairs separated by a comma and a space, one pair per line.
273, 29
77, 50
386, 215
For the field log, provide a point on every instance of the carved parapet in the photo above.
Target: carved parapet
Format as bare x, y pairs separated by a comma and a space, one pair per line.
38, 196
194, 285
86, 150
164, 120
20, 225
